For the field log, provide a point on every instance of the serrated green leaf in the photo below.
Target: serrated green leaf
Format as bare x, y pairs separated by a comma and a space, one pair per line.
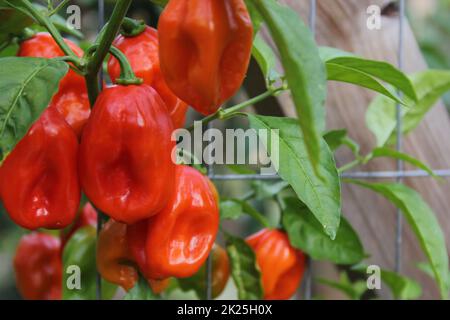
244, 269
321, 195
27, 86
423, 222
306, 234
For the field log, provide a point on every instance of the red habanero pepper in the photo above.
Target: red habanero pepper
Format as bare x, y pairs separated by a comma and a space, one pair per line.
38, 267
205, 48
125, 161
71, 100
281, 265
177, 241
142, 53
115, 261
86, 217
39, 179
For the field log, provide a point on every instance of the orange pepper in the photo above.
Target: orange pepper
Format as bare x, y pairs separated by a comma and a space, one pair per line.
205, 48
281, 265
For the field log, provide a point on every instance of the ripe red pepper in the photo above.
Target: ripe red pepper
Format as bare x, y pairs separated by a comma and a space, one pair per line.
39, 179
114, 259
281, 265
142, 53
38, 267
177, 241
71, 100
205, 48
125, 161
86, 217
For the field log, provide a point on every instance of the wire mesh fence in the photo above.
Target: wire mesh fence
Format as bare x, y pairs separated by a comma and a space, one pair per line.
399, 174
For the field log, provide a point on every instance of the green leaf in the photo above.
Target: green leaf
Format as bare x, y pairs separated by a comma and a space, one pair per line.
264, 190
423, 222
346, 67
321, 195
387, 152
80, 252
141, 291
234, 208
338, 138
240, 169
265, 57
27, 86
306, 234
161, 3
304, 71
427, 269
244, 269
402, 288
257, 20
429, 85
343, 73
353, 290
12, 23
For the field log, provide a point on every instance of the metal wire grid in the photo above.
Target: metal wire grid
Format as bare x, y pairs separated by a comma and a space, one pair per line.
399, 174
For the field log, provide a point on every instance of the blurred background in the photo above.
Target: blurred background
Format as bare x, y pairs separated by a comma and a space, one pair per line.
430, 22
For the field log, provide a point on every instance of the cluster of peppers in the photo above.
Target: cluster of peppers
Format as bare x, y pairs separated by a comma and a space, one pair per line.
164, 217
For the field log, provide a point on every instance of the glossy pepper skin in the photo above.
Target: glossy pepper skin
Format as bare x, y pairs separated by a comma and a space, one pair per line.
142, 53
114, 259
205, 48
125, 161
38, 267
220, 270
39, 179
71, 100
177, 241
281, 265
115, 262
87, 216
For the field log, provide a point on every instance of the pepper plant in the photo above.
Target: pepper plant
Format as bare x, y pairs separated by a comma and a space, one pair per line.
68, 140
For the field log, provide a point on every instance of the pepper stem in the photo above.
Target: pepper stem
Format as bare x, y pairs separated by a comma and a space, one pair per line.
127, 76
131, 27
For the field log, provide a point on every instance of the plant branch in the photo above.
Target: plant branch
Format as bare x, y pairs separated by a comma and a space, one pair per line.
58, 7
45, 21
224, 114
107, 37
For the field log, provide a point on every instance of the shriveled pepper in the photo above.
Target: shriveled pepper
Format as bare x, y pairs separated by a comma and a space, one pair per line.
281, 265
177, 241
142, 53
71, 100
87, 216
125, 161
114, 259
205, 48
38, 267
39, 179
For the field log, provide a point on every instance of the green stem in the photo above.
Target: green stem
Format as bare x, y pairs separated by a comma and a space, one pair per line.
349, 165
127, 76
108, 36
45, 21
131, 27
59, 7
224, 114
